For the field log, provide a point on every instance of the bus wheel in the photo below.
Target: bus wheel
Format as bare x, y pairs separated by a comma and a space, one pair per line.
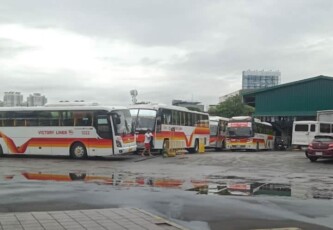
1, 151
196, 147
78, 151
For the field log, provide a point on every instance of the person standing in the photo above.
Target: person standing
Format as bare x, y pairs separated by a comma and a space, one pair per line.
148, 139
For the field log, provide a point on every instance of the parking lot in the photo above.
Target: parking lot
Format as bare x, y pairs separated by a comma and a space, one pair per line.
169, 187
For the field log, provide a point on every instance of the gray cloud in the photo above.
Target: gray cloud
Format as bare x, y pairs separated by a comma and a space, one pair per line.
9, 48
220, 40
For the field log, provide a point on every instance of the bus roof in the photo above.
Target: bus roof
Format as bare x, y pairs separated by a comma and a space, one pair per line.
265, 123
306, 122
241, 118
56, 108
218, 118
163, 106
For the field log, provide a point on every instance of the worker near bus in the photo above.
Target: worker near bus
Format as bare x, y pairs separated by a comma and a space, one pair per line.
148, 139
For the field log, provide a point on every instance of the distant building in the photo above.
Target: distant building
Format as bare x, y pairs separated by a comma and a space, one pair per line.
225, 97
189, 104
12, 99
254, 79
36, 99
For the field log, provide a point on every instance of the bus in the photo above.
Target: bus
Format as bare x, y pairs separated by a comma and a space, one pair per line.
218, 128
184, 127
74, 130
247, 133
304, 132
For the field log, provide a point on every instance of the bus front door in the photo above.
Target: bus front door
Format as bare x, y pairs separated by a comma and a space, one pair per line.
104, 144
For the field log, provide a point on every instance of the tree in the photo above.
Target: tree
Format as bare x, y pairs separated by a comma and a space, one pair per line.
233, 106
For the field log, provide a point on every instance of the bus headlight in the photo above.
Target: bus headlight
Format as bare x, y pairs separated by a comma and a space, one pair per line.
118, 143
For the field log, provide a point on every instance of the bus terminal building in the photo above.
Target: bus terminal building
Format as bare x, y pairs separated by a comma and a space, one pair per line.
294, 101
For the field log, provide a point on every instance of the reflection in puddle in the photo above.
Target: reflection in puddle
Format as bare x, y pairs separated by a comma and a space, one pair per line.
222, 185
8, 177
246, 189
114, 179
322, 193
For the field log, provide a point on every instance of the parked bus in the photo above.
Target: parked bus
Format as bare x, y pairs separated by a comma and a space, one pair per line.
218, 128
247, 133
181, 125
305, 131
66, 129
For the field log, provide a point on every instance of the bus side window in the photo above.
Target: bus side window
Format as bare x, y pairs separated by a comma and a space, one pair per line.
82, 118
324, 128
313, 128
103, 127
1, 118
31, 122
9, 122
301, 128
19, 122
206, 121
166, 117
67, 118
195, 119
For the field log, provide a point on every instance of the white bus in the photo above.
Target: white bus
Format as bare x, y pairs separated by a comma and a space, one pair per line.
247, 133
305, 131
179, 124
218, 129
73, 130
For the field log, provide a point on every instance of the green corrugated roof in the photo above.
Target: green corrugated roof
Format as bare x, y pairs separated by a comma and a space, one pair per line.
299, 98
255, 91
285, 113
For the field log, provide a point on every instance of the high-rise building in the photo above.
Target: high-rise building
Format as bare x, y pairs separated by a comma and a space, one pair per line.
36, 99
12, 99
254, 79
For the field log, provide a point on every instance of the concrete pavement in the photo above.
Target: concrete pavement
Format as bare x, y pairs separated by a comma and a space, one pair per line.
95, 219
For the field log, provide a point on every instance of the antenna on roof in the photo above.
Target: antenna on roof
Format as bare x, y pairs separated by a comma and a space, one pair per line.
134, 93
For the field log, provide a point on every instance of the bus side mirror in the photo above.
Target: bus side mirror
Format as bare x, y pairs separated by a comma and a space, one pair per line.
158, 122
117, 120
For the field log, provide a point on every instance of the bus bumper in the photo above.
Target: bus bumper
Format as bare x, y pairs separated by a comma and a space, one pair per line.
129, 149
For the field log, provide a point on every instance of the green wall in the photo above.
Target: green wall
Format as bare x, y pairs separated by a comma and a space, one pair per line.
301, 98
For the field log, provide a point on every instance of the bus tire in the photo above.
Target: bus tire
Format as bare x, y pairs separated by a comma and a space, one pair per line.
1, 151
196, 147
78, 151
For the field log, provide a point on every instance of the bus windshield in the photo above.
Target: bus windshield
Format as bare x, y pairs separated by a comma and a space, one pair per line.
124, 124
213, 128
239, 132
146, 119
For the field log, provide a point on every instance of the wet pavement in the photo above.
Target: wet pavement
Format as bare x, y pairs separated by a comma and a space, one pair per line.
197, 191
96, 219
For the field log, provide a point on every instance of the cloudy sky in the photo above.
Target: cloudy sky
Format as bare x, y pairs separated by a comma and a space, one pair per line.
172, 49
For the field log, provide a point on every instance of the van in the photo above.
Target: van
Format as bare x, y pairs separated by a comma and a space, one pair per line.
304, 132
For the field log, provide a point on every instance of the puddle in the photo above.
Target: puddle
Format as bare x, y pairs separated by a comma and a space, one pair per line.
223, 177
245, 189
211, 185
116, 179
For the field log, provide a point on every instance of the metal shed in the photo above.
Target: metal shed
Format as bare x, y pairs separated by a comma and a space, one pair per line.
285, 103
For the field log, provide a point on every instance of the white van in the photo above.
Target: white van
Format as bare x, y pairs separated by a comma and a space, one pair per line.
304, 132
